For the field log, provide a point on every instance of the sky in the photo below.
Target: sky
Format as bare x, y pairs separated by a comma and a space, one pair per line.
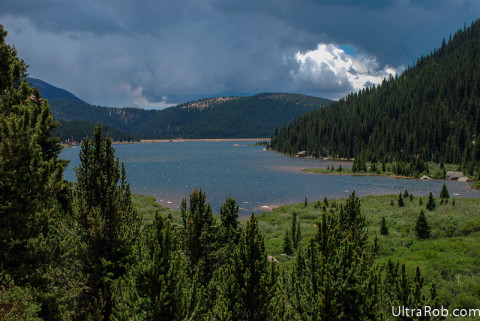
158, 53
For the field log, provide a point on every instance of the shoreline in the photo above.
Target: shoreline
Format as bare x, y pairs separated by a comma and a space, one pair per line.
177, 140
314, 171
471, 184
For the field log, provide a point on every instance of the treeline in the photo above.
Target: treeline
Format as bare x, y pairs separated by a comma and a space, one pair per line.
74, 131
240, 117
80, 252
430, 112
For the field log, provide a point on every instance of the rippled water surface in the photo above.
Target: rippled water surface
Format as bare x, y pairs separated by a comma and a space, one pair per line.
258, 179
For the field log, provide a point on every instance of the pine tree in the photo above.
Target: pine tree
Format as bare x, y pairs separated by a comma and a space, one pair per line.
107, 222
31, 185
252, 276
200, 237
295, 231
287, 243
229, 221
383, 227
444, 194
336, 270
422, 229
431, 203
156, 286
400, 201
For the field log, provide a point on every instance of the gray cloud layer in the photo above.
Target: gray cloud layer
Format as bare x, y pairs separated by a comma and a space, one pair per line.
155, 53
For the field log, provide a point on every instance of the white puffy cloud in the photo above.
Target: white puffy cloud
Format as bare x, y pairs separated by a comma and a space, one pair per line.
330, 70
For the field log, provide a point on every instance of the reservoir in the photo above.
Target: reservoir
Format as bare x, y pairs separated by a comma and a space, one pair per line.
257, 178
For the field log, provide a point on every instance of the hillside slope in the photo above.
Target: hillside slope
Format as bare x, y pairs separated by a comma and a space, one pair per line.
222, 117
430, 112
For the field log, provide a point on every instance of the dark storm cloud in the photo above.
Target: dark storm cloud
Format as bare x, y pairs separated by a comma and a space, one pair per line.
155, 53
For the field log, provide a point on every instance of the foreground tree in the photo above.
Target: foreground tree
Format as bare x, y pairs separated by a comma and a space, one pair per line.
107, 223
156, 286
31, 183
199, 236
336, 278
247, 288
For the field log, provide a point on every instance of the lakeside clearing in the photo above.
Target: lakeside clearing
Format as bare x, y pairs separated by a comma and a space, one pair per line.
435, 172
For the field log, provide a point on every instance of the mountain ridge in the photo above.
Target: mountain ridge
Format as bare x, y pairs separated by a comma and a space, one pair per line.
218, 117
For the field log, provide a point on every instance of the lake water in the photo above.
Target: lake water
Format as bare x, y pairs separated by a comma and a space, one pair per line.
257, 178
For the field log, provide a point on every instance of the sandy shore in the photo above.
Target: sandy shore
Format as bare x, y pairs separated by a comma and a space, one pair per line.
203, 140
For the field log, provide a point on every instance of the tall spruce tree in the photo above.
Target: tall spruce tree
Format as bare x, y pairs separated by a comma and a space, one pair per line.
400, 201
422, 228
287, 243
30, 183
383, 227
200, 236
444, 194
254, 276
431, 205
107, 223
229, 212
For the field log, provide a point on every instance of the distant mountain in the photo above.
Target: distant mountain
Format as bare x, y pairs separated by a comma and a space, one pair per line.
51, 92
430, 112
221, 117
229, 117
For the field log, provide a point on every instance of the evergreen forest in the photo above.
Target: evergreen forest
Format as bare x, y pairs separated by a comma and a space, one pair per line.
431, 112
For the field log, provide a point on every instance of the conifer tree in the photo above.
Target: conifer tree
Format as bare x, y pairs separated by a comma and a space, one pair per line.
422, 228
400, 201
31, 183
295, 231
200, 236
444, 194
383, 227
107, 223
431, 203
229, 220
156, 286
400, 289
252, 280
287, 243
336, 271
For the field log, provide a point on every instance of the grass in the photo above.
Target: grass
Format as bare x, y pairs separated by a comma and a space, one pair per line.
435, 172
451, 257
147, 206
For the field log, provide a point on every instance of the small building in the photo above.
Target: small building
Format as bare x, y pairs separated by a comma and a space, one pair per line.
303, 153
453, 176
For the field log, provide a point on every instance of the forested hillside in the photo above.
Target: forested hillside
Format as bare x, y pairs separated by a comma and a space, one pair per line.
242, 117
223, 117
430, 112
